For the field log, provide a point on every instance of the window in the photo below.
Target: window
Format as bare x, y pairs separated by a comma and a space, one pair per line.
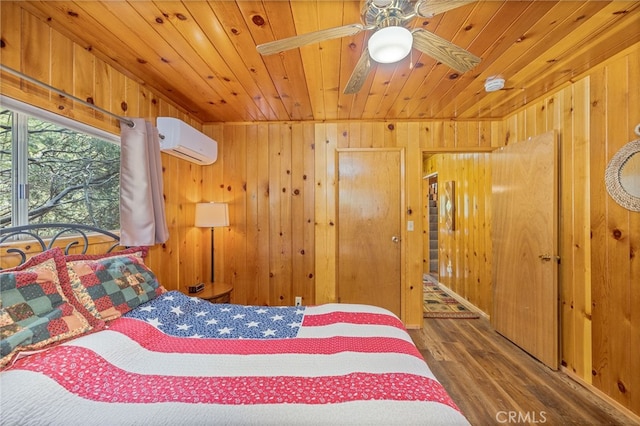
55, 170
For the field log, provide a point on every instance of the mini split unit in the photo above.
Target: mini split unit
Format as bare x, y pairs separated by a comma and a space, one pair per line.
183, 141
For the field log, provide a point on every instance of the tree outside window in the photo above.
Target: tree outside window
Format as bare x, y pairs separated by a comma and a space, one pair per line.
68, 176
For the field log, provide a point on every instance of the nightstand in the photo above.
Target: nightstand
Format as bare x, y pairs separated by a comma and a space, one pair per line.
216, 292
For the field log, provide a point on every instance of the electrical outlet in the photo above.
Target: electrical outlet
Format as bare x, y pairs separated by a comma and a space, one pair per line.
298, 301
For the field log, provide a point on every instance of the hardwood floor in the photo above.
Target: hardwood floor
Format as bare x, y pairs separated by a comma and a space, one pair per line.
494, 382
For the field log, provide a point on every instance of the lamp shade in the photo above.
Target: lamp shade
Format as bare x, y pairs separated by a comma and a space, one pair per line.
211, 215
390, 44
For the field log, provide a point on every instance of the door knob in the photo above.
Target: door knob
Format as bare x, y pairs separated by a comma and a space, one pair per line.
547, 257
395, 239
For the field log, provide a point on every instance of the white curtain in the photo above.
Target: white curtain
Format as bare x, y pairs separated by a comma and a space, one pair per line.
142, 217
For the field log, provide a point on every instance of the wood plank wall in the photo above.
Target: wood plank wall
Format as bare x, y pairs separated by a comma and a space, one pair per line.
279, 235
279, 180
266, 174
600, 241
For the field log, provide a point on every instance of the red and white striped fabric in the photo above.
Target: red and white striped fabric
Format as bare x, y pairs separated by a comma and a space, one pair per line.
348, 364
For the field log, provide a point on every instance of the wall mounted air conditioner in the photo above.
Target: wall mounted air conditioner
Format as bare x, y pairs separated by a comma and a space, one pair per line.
182, 140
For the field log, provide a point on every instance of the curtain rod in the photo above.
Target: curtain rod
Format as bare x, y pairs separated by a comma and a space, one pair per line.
65, 94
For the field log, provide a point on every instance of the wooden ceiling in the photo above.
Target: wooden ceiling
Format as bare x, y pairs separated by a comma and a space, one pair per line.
202, 55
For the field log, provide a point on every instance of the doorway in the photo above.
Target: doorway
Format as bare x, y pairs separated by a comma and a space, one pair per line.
464, 249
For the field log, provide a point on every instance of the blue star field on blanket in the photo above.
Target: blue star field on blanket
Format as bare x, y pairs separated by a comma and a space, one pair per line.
194, 317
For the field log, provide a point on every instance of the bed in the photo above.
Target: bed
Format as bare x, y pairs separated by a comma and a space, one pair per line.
94, 338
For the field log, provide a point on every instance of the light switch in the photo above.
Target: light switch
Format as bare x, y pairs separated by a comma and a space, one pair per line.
409, 225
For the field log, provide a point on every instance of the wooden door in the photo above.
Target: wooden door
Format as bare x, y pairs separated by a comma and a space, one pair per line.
369, 228
525, 242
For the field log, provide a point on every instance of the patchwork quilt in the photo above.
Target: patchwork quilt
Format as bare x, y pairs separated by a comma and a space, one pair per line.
181, 360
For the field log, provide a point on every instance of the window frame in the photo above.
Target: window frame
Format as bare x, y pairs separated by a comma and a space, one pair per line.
19, 144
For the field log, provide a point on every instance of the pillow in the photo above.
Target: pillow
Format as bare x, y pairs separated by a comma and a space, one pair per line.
37, 306
112, 284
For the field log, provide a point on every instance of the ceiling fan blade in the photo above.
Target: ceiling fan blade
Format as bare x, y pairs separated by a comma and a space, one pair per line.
304, 39
359, 74
444, 51
429, 8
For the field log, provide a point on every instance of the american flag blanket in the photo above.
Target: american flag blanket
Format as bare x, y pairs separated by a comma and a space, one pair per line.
179, 360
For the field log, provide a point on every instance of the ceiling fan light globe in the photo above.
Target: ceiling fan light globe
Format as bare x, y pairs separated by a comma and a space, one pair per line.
390, 44
381, 3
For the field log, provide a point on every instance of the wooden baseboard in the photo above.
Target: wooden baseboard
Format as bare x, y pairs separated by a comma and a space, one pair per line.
604, 397
464, 302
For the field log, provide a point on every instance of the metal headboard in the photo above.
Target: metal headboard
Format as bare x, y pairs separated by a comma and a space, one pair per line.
60, 230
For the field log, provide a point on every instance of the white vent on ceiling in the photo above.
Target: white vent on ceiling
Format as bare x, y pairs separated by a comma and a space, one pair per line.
182, 140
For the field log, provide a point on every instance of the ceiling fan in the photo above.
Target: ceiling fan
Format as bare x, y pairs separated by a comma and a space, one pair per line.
392, 39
